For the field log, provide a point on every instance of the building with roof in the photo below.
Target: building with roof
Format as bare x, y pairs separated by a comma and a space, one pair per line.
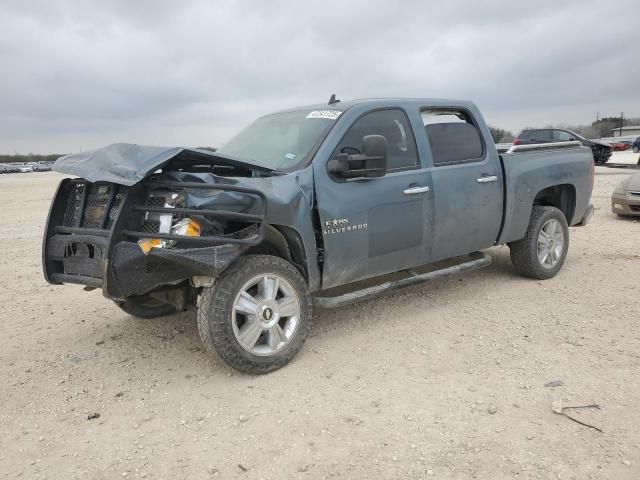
626, 131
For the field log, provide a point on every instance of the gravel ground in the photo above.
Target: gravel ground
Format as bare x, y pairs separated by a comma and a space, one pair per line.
445, 380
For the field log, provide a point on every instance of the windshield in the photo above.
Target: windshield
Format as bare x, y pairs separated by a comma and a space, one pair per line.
282, 140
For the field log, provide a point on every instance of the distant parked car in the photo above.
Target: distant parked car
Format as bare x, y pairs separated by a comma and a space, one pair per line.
601, 151
625, 200
8, 168
636, 145
619, 146
25, 168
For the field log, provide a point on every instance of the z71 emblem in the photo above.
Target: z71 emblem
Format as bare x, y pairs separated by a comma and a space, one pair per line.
341, 225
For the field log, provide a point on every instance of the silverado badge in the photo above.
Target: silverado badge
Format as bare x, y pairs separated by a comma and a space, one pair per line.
341, 225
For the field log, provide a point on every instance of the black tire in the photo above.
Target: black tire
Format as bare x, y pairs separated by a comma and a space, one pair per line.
145, 306
524, 252
636, 149
215, 322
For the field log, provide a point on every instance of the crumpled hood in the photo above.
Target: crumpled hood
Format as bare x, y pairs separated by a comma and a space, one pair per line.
127, 163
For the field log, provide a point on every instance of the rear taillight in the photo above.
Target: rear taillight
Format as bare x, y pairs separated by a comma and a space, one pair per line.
516, 141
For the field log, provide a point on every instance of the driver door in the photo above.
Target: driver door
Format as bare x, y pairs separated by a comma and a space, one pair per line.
374, 226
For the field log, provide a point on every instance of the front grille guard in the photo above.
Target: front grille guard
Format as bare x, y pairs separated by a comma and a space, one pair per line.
203, 241
90, 208
122, 215
78, 229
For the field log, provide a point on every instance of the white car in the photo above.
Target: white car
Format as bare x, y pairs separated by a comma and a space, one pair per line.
25, 169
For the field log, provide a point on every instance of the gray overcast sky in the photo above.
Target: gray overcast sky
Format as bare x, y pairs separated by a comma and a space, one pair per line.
83, 74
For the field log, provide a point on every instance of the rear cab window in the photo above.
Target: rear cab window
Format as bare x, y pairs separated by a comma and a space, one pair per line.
453, 136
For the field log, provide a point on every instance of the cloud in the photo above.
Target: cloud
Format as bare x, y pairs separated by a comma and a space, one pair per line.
84, 74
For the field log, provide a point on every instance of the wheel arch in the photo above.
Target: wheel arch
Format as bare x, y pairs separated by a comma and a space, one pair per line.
562, 196
286, 243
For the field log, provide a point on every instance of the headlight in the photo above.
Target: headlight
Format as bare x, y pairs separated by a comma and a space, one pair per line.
186, 226
166, 222
620, 190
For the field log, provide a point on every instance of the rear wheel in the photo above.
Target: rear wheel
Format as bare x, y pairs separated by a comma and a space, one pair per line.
257, 315
636, 149
145, 306
542, 251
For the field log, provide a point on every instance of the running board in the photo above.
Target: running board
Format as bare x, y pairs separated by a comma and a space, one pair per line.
480, 260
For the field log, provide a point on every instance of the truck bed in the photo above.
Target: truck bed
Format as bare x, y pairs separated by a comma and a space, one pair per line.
526, 173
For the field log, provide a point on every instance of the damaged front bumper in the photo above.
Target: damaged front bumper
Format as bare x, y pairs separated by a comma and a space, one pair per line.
93, 230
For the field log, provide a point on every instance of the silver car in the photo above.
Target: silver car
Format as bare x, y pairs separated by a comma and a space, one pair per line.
625, 200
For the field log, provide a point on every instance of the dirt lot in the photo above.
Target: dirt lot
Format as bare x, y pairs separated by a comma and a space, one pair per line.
445, 380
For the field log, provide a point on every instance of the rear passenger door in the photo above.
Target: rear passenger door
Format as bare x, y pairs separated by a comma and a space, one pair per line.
467, 183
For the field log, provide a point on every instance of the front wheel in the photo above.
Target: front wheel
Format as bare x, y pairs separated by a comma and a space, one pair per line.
542, 251
257, 315
636, 149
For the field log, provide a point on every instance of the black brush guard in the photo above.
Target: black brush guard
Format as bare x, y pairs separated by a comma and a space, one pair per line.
93, 228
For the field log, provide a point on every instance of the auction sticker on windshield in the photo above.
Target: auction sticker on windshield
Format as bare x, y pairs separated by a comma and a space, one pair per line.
329, 114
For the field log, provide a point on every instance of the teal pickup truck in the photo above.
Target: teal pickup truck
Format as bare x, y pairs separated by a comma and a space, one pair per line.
300, 209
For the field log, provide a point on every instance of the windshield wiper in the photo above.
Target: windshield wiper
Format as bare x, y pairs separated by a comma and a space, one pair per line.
269, 173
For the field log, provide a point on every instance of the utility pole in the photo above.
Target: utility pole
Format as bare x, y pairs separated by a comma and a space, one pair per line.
621, 122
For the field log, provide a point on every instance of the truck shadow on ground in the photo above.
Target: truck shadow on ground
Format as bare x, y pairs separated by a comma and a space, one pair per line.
177, 335
433, 294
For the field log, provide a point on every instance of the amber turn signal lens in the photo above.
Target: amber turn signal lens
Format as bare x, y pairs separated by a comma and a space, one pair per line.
146, 244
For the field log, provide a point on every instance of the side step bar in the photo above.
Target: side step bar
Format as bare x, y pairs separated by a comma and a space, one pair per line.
479, 260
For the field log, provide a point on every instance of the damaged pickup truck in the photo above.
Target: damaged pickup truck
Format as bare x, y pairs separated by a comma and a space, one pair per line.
313, 206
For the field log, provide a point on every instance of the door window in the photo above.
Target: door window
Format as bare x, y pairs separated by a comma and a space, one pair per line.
524, 135
560, 136
453, 136
541, 136
394, 126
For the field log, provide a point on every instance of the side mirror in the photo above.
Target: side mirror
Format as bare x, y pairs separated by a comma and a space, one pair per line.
371, 163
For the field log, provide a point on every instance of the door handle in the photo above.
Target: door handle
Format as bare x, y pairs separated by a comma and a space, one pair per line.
415, 190
487, 179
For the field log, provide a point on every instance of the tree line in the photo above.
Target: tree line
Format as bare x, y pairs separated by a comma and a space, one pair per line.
30, 157
52, 157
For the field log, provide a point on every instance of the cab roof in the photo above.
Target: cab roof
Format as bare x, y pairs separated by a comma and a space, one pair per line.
366, 103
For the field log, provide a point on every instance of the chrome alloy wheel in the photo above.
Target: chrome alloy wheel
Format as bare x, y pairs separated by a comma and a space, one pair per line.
265, 314
550, 243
